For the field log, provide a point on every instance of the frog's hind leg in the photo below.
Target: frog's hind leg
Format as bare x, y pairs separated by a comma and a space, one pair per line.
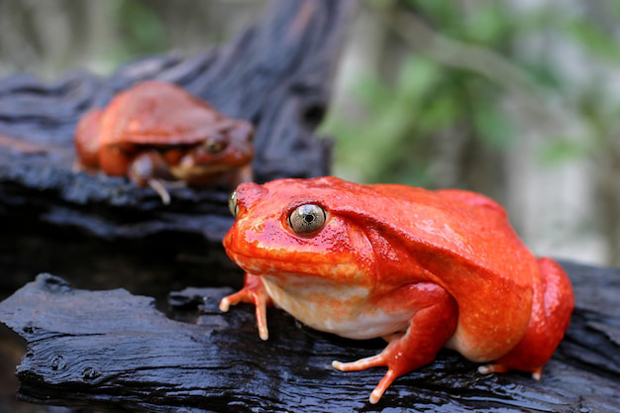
87, 141
433, 323
552, 306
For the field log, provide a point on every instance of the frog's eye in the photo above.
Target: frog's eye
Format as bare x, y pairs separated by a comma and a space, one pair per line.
307, 219
215, 145
232, 204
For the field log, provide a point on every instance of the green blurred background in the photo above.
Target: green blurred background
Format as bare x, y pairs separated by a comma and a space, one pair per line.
516, 99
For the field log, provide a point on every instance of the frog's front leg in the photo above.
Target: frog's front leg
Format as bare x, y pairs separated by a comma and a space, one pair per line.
150, 169
253, 292
433, 323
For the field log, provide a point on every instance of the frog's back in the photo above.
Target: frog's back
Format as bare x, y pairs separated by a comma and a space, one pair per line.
157, 113
464, 243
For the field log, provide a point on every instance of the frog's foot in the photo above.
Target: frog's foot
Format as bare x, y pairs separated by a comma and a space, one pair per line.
385, 358
150, 169
397, 357
500, 368
159, 187
253, 292
429, 329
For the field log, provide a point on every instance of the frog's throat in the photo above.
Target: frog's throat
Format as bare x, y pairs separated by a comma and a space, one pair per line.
326, 305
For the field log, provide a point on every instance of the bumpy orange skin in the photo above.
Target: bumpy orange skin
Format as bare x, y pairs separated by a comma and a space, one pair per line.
424, 269
158, 130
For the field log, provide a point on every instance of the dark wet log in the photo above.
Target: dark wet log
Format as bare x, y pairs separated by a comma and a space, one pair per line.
277, 75
110, 350
104, 232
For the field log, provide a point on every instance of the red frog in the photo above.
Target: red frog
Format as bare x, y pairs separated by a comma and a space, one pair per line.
157, 131
423, 269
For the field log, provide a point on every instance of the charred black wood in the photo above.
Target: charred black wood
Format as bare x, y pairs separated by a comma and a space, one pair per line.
276, 74
103, 232
113, 351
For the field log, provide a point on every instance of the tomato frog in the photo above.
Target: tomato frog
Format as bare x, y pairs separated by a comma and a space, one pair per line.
423, 269
156, 131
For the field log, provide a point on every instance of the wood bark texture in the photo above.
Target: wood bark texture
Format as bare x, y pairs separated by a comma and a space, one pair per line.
110, 350
113, 351
277, 74
104, 232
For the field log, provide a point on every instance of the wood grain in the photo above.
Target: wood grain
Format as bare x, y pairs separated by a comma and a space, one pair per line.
110, 350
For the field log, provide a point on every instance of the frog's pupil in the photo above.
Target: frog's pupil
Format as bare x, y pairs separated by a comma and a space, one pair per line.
309, 218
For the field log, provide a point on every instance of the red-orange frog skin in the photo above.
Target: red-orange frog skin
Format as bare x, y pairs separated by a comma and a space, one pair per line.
423, 269
156, 130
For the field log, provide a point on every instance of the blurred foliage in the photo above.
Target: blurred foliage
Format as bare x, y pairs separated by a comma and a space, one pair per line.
465, 92
48, 37
443, 93
399, 117
142, 30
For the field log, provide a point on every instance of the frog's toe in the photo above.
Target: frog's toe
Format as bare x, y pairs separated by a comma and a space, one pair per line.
385, 382
492, 368
232, 299
253, 292
249, 297
159, 187
361, 364
261, 321
366, 363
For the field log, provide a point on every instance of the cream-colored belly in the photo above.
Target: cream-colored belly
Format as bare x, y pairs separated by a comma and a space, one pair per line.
328, 306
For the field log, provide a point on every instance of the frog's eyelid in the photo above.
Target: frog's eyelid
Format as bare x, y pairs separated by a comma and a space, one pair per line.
300, 201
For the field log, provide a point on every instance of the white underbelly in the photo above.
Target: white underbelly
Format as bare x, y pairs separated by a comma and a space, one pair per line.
334, 308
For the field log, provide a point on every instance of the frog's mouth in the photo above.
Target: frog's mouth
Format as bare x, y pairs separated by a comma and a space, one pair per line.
344, 272
187, 173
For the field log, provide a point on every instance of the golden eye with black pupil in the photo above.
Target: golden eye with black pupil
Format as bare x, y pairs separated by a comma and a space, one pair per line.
232, 204
307, 219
